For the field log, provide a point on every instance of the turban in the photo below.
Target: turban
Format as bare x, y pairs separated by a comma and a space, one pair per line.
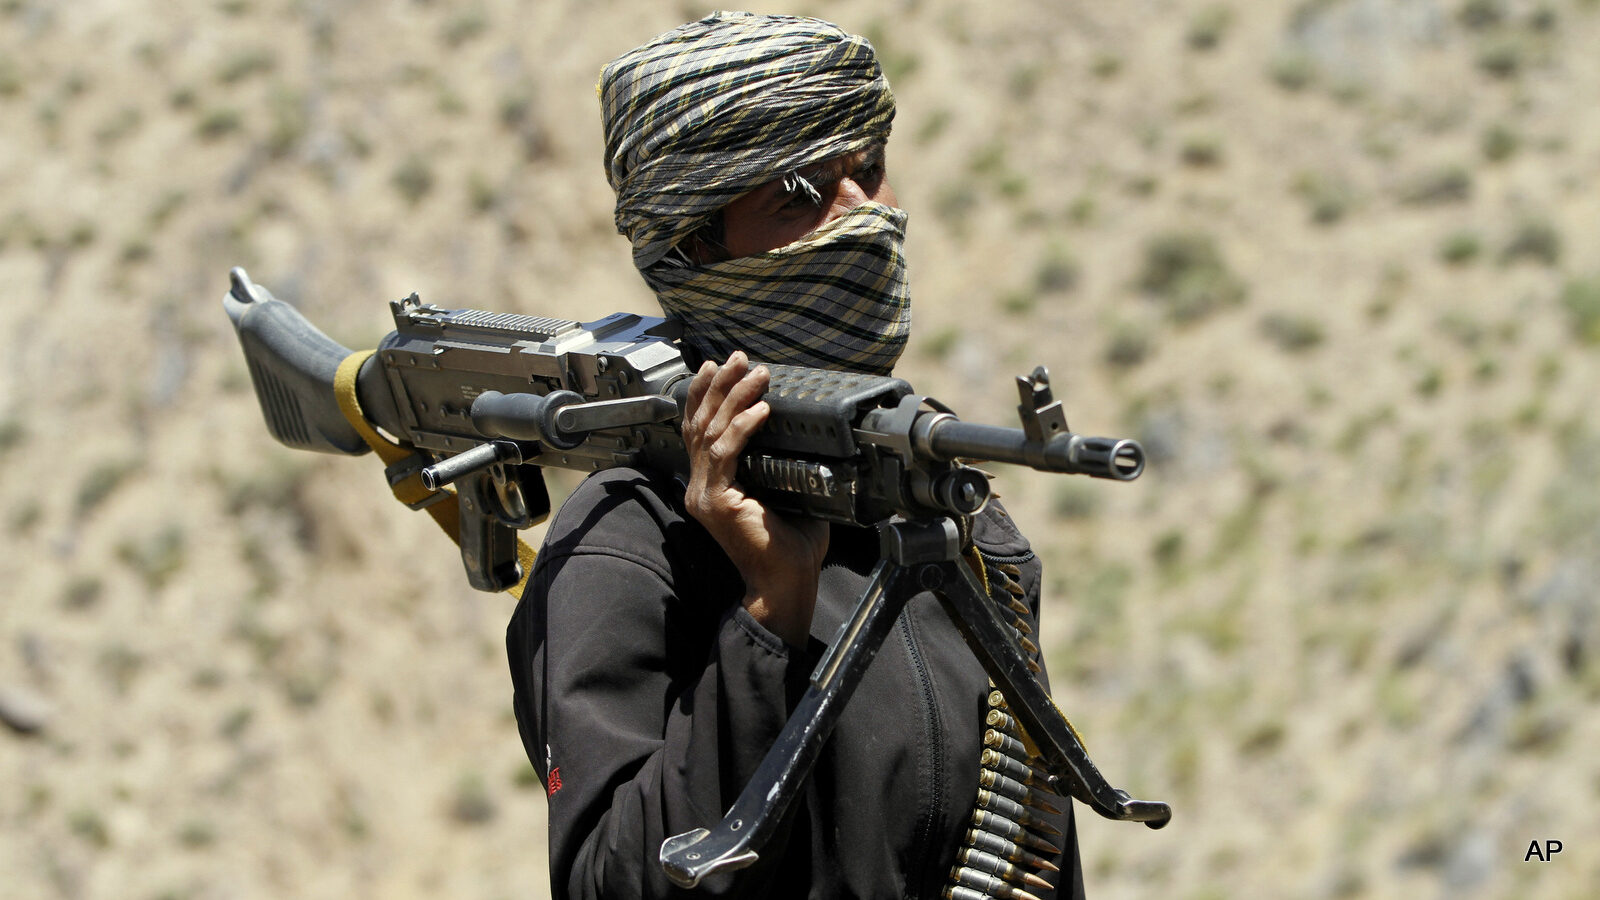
712, 109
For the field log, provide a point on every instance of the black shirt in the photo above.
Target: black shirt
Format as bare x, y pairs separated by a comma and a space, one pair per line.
647, 696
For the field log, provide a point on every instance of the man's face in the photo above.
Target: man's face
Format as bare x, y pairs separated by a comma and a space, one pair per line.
777, 213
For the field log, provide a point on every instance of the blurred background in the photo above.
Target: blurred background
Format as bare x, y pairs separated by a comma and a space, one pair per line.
1335, 262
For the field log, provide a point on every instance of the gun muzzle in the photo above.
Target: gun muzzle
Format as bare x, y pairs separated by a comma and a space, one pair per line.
1098, 457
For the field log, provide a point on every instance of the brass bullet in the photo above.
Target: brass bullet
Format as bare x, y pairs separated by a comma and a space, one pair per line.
997, 699
1012, 831
1005, 765
1005, 743
961, 892
1011, 809
1015, 790
994, 865
989, 842
991, 885
1002, 720
1005, 806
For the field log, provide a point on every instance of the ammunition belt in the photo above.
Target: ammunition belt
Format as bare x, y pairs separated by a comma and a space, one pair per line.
1007, 848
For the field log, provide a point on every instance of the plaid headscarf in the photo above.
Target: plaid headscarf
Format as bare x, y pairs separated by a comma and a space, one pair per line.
713, 109
834, 299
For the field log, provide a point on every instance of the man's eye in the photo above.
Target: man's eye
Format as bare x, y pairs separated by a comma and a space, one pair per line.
797, 201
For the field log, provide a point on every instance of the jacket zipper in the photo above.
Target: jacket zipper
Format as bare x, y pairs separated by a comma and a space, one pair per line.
933, 730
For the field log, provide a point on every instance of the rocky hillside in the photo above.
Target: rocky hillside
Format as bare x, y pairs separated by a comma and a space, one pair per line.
1335, 262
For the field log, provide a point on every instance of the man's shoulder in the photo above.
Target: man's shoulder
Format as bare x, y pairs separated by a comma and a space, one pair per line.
619, 499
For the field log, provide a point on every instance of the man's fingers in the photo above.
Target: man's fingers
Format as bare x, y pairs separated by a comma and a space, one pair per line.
697, 389
726, 376
744, 393
738, 433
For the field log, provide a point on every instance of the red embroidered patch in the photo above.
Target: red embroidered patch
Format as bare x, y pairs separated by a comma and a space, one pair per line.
554, 782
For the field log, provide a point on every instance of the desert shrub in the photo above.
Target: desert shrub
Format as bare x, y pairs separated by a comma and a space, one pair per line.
156, 556
1202, 151
82, 592
247, 63
463, 26
1534, 240
10, 77
1074, 500
1058, 272
1481, 14
1293, 71
413, 179
1328, 197
1106, 66
1499, 143
1450, 184
472, 803
943, 342
1023, 81
197, 834
1128, 346
1208, 27
933, 127
1019, 302
101, 482
1430, 383
1292, 333
89, 826
219, 122
954, 202
1460, 248
1503, 56
13, 433
1167, 549
1581, 300
1187, 274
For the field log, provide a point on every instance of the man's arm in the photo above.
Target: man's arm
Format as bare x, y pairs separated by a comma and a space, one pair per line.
778, 558
645, 711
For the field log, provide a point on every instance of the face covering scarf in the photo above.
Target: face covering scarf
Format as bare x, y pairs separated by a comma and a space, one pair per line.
837, 298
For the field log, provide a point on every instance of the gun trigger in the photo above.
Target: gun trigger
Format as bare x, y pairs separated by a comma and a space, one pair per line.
417, 497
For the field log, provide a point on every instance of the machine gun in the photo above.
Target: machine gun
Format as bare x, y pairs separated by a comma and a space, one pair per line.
482, 402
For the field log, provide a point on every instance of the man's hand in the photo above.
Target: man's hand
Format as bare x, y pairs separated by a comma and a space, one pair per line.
779, 558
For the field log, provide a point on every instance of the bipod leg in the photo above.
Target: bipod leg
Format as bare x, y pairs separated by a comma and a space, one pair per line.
992, 642
911, 553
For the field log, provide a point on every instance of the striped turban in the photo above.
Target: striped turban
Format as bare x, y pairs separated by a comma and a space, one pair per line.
715, 108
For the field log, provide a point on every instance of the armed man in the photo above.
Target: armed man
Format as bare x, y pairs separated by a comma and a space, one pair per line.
670, 624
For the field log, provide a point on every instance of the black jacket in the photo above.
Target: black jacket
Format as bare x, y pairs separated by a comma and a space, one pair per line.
646, 698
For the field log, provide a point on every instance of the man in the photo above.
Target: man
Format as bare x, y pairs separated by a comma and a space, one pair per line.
669, 628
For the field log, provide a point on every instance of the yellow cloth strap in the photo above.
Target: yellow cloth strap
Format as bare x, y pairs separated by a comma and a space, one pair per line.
410, 489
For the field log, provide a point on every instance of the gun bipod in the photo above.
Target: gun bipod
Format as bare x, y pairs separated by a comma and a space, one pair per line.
916, 556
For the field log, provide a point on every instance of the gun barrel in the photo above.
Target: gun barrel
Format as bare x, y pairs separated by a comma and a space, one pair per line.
1099, 457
